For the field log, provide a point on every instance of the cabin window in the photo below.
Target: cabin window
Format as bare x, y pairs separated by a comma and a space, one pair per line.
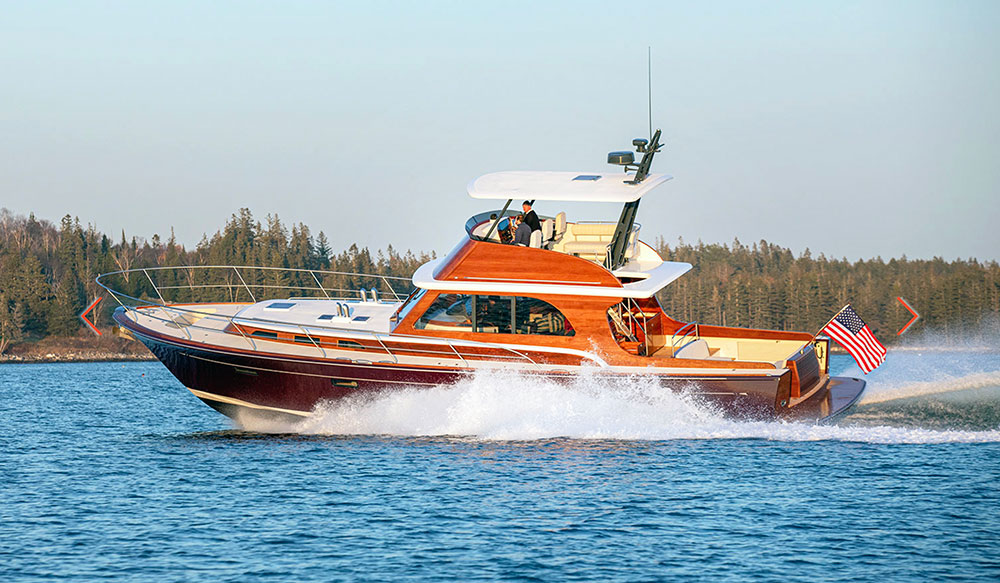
534, 316
494, 315
264, 334
448, 312
303, 340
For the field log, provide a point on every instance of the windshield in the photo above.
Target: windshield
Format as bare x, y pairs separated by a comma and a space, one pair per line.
410, 301
484, 221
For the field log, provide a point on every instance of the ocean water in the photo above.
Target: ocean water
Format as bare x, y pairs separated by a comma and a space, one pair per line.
112, 471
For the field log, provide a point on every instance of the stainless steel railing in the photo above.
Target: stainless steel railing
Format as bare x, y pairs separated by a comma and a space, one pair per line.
681, 333
248, 279
188, 317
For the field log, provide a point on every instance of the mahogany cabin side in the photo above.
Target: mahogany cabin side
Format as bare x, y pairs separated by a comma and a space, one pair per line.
478, 264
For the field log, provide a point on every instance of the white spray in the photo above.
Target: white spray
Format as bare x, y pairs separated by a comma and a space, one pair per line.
506, 406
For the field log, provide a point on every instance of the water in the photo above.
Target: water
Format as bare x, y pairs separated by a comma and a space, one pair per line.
114, 471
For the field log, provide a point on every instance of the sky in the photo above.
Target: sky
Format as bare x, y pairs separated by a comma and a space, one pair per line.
853, 129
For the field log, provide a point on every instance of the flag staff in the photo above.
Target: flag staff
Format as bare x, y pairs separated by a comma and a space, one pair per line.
821, 328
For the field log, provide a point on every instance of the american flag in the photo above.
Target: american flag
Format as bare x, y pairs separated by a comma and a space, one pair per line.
852, 333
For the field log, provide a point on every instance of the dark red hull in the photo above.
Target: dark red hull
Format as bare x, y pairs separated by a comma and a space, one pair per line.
231, 381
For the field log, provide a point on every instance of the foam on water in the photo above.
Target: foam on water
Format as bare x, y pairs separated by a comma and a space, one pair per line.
507, 406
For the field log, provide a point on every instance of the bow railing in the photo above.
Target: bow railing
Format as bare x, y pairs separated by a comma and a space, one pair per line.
171, 295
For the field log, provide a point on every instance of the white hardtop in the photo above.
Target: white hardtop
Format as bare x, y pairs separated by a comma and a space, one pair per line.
563, 186
652, 281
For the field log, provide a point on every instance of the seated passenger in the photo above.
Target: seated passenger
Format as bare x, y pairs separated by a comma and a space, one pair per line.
522, 236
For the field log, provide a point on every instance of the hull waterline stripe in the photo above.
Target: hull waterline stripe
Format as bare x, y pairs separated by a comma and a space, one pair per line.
247, 404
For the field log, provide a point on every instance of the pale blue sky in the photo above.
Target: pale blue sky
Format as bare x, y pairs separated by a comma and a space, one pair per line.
852, 128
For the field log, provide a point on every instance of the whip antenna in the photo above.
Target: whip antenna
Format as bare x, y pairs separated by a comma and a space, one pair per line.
649, 86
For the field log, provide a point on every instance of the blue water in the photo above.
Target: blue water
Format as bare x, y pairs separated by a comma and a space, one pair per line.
114, 471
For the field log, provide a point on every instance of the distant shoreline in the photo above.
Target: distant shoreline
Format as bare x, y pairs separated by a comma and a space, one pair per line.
50, 357
83, 348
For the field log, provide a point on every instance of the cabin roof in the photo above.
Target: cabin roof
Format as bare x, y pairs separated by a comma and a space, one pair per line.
563, 186
655, 279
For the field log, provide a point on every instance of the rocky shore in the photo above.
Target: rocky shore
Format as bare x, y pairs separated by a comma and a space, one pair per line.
106, 348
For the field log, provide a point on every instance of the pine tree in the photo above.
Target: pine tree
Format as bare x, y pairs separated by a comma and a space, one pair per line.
67, 304
12, 322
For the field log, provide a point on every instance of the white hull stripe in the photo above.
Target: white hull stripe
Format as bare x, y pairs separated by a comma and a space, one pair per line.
247, 404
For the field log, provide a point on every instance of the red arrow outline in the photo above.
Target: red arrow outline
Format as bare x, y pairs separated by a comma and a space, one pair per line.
915, 317
83, 315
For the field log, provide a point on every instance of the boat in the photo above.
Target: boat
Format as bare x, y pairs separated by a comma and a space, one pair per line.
578, 299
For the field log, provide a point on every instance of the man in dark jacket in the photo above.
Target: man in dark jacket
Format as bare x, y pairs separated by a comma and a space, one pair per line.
530, 218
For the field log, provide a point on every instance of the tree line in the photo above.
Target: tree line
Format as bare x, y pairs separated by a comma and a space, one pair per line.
47, 276
766, 286
47, 271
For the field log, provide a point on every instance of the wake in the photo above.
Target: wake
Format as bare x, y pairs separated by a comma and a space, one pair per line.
510, 407
936, 387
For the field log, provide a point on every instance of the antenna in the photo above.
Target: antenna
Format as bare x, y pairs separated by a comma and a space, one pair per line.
649, 86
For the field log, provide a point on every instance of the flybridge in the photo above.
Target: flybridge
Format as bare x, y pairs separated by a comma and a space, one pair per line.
625, 188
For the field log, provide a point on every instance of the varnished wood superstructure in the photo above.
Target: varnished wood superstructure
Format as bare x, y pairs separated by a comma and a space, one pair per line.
485, 261
588, 314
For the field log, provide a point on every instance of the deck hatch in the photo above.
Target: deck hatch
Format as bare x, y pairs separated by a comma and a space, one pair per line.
280, 305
